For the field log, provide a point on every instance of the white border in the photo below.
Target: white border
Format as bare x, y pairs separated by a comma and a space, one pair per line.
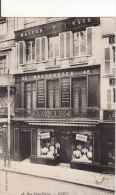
57, 8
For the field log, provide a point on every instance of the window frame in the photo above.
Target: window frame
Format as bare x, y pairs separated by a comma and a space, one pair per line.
31, 53
31, 92
4, 68
54, 57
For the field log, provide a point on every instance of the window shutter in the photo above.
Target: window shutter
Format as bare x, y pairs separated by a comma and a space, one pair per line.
22, 54
89, 41
69, 46
96, 147
107, 60
109, 99
37, 49
62, 42
44, 48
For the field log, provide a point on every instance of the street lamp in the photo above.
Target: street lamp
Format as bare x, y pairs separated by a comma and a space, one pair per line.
4, 144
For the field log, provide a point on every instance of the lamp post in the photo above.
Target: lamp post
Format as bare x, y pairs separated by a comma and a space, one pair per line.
4, 144
9, 163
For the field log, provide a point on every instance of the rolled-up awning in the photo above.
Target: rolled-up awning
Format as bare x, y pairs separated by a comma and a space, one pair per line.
63, 124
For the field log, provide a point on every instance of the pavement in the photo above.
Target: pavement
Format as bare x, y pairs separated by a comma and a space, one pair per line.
62, 173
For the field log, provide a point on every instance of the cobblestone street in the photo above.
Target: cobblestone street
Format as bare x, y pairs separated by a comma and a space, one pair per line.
20, 184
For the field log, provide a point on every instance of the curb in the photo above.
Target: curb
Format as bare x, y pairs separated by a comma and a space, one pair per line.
59, 179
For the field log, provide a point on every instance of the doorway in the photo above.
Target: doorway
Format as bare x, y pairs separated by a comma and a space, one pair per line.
65, 152
25, 144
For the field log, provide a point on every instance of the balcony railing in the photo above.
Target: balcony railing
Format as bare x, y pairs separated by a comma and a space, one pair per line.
57, 113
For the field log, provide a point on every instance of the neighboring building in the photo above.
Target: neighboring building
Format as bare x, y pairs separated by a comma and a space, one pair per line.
65, 94
7, 69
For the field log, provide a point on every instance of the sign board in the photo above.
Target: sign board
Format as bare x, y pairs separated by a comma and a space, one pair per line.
112, 39
65, 95
109, 115
74, 23
81, 137
45, 135
111, 81
40, 94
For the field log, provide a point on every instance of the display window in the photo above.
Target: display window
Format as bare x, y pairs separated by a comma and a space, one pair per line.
111, 153
82, 146
47, 145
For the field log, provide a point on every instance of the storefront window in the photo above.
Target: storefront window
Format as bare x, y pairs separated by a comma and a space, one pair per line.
47, 145
82, 146
111, 153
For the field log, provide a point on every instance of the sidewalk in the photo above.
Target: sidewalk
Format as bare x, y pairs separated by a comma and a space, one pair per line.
63, 173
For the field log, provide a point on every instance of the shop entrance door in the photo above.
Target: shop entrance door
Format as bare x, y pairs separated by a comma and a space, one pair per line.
65, 148
25, 144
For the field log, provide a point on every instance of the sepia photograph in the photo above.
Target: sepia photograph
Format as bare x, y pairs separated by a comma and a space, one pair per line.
57, 105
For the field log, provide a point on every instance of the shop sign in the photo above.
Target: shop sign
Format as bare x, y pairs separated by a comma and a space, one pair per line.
45, 135
59, 113
111, 81
112, 39
57, 27
109, 115
81, 137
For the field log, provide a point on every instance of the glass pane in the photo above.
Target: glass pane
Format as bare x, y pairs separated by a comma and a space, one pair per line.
82, 146
33, 50
33, 99
28, 51
28, 100
76, 43
82, 43
47, 144
56, 46
50, 47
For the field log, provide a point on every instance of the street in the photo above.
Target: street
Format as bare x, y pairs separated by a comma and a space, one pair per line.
22, 184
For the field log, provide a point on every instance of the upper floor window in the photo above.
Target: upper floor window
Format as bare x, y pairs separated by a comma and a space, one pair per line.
53, 47
30, 50
2, 64
30, 96
53, 99
79, 43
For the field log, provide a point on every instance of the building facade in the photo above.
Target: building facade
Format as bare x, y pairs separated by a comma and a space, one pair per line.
7, 87
65, 92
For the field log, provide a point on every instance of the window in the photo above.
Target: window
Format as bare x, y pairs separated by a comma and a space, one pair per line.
30, 94
30, 51
80, 43
53, 47
82, 146
53, 99
79, 97
2, 64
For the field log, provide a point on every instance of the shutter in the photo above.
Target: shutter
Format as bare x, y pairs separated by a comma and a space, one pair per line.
109, 99
37, 49
56, 94
89, 41
62, 43
107, 60
93, 91
96, 147
16, 140
40, 94
69, 44
44, 48
33, 142
22, 54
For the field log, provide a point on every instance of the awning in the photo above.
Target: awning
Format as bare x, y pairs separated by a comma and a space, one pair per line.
62, 124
